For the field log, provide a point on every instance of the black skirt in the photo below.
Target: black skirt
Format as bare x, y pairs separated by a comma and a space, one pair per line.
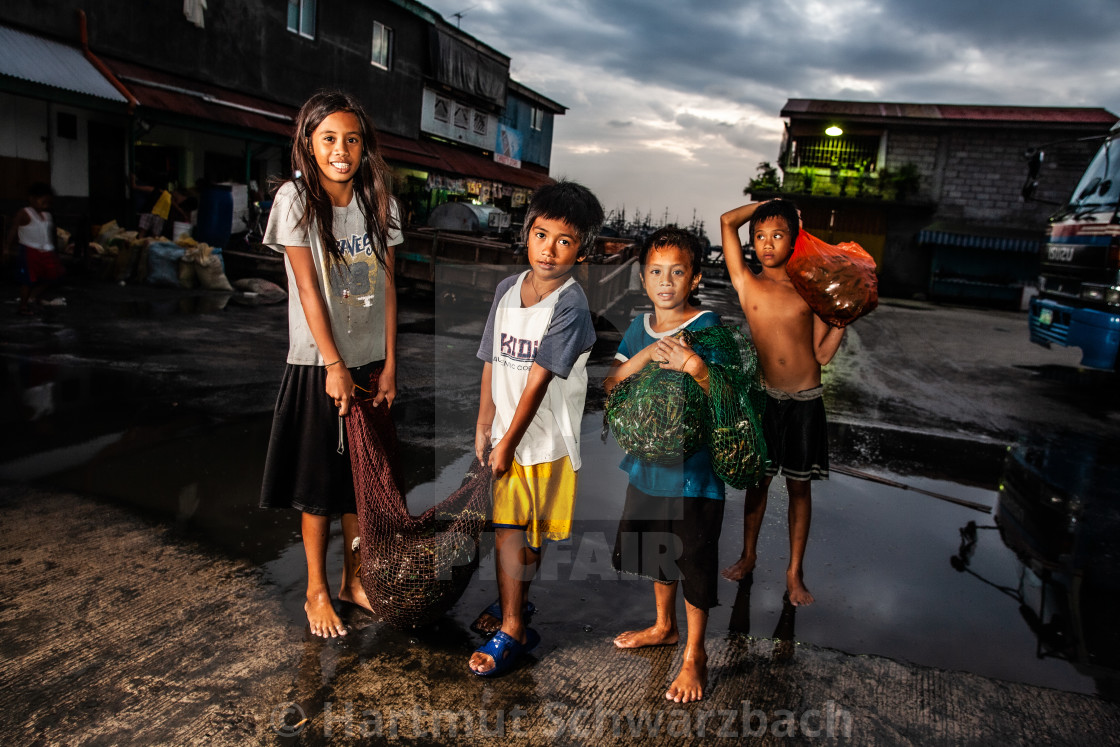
304, 469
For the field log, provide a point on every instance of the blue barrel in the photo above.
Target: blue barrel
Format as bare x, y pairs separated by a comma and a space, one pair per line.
215, 215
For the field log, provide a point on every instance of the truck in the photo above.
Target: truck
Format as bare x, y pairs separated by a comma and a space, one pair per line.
1078, 303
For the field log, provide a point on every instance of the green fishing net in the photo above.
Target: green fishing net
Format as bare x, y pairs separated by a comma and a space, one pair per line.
663, 416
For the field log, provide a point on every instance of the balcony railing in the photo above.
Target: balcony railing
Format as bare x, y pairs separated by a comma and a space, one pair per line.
901, 184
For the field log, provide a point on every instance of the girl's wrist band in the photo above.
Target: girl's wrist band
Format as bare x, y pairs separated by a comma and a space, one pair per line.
332, 364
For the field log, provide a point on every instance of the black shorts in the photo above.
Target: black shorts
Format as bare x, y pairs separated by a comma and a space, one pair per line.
303, 469
796, 436
671, 539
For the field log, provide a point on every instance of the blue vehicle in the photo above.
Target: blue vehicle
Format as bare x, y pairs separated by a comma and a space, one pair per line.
1079, 289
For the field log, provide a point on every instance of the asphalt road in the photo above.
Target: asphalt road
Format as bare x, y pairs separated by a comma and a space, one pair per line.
119, 627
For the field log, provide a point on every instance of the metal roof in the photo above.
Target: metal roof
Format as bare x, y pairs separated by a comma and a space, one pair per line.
970, 240
881, 110
524, 90
160, 91
450, 159
50, 63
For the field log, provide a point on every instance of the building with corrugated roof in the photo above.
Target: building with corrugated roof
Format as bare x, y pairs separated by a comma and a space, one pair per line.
94, 90
934, 191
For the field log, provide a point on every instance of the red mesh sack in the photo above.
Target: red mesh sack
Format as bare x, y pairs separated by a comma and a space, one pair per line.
413, 568
837, 281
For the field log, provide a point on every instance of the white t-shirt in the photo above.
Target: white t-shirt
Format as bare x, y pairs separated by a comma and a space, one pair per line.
354, 295
555, 333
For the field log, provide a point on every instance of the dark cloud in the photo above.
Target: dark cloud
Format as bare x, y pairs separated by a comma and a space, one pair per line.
704, 124
662, 110
694, 89
1041, 23
722, 47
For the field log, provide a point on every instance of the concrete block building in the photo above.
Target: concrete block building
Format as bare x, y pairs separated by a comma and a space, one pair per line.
934, 191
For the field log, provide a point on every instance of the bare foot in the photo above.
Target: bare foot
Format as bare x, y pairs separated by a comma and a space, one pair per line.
486, 624
690, 682
352, 590
651, 636
741, 568
322, 617
355, 593
799, 595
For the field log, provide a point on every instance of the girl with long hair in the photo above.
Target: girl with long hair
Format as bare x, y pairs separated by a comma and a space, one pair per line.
336, 224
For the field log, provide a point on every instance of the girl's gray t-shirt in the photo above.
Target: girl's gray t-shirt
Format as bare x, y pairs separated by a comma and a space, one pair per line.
354, 294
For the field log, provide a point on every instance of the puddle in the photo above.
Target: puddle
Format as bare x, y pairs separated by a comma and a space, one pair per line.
1024, 593
1027, 592
1059, 512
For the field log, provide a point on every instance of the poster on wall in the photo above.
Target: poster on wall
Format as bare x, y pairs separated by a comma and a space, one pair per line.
508, 148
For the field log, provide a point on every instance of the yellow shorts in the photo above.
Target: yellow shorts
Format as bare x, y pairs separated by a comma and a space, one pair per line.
539, 498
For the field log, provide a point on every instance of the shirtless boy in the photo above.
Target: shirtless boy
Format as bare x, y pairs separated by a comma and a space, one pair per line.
793, 343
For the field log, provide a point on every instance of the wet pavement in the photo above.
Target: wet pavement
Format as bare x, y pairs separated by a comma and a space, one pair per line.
146, 412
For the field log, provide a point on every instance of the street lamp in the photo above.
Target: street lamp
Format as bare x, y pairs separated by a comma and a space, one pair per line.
834, 131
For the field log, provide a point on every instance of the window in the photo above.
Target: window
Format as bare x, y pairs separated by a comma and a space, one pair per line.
480, 123
382, 50
537, 118
67, 125
860, 152
301, 17
1097, 189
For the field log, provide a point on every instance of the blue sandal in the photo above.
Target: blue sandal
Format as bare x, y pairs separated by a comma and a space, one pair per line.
495, 611
505, 650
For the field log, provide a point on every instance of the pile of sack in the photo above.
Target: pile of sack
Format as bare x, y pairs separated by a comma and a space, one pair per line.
183, 263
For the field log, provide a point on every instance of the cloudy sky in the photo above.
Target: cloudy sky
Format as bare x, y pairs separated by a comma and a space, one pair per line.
673, 103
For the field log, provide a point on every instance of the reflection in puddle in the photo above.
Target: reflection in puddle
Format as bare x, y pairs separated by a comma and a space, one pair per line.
1059, 512
198, 302
784, 634
876, 560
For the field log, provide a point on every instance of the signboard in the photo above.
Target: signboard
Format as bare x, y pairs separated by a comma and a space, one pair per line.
456, 121
508, 148
498, 220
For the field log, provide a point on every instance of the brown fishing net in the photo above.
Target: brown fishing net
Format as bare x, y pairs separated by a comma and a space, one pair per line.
413, 568
663, 416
